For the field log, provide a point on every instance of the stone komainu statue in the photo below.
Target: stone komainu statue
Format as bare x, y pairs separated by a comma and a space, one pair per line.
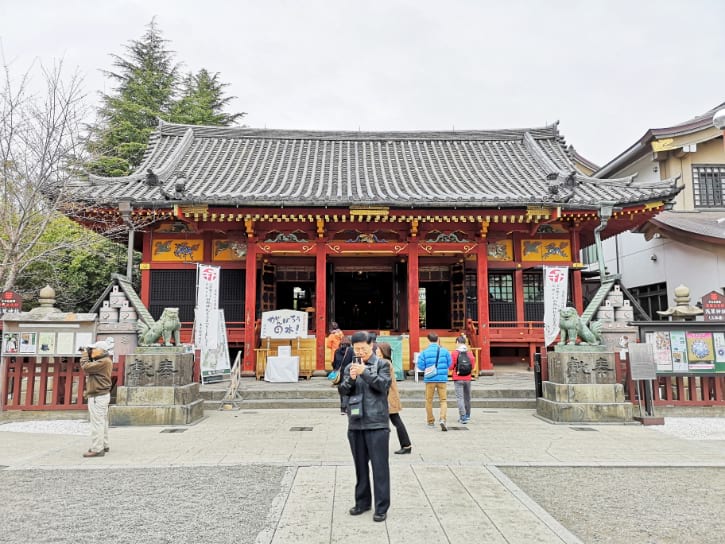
572, 327
167, 327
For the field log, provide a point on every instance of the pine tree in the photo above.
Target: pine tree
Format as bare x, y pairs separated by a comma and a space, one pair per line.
146, 80
202, 101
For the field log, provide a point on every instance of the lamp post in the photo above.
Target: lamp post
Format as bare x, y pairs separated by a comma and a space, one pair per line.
125, 207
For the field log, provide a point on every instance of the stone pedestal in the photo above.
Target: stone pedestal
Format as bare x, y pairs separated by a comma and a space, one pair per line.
582, 388
158, 389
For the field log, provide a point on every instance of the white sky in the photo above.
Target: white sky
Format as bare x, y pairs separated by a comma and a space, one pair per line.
606, 69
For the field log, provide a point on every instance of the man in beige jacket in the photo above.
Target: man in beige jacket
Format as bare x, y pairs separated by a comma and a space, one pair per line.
97, 364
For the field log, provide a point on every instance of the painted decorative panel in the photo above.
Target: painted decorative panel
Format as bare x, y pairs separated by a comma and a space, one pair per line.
501, 250
228, 250
177, 250
295, 236
439, 236
545, 250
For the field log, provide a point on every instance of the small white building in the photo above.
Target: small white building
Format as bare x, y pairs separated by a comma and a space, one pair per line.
684, 245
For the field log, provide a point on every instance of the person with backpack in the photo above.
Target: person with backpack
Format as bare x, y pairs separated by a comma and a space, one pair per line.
462, 370
434, 362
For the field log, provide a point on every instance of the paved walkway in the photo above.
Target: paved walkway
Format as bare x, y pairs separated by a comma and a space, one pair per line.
285, 476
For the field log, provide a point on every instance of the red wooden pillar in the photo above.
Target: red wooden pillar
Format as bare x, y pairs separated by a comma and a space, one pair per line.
519, 294
250, 305
413, 300
320, 303
485, 364
577, 293
145, 269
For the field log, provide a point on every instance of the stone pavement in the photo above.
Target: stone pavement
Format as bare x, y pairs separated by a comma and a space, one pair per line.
285, 476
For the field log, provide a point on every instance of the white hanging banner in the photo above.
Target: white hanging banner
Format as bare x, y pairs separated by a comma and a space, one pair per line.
207, 302
215, 358
556, 282
284, 324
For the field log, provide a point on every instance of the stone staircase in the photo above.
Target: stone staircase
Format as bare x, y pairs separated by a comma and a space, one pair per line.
486, 392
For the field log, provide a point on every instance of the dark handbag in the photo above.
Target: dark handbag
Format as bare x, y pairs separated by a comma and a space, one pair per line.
355, 406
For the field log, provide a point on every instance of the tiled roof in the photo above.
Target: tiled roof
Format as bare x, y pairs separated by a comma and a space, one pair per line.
704, 223
642, 146
225, 166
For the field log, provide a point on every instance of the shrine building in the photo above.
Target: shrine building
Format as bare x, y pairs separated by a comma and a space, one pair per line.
395, 232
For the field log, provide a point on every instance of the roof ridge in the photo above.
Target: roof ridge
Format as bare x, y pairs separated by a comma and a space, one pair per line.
546, 132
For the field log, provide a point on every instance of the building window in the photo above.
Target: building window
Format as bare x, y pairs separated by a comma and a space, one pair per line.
501, 302
174, 289
652, 298
533, 296
707, 186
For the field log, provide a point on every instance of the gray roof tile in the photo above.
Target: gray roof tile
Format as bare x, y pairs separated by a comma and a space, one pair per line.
470, 169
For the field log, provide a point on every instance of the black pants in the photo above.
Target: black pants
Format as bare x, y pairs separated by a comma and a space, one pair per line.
371, 447
403, 437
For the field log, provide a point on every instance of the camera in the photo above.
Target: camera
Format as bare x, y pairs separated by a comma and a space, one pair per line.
87, 350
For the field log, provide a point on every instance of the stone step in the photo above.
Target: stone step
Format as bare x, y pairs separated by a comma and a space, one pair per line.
407, 396
333, 403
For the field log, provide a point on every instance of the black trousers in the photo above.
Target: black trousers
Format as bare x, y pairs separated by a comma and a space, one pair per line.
403, 437
371, 447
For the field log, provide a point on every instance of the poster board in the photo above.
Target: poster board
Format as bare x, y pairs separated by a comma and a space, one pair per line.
396, 345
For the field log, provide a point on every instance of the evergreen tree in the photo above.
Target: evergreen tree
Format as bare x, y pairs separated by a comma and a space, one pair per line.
202, 101
146, 79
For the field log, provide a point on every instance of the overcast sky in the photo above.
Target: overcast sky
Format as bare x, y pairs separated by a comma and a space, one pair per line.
607, 70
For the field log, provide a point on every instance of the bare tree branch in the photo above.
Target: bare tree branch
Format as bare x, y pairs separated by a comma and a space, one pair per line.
40, 144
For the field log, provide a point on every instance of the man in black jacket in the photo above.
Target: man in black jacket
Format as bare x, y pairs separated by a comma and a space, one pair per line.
369, 432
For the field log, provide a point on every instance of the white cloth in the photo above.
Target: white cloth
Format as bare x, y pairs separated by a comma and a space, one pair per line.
282, 369
98, 411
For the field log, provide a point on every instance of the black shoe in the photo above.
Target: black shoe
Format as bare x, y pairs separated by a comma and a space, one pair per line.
357, 510
404, 450
379, 517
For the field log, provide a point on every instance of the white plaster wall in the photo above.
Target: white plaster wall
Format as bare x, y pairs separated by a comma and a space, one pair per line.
700, 270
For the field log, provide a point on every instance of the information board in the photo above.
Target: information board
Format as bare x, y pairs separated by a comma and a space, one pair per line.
642, 362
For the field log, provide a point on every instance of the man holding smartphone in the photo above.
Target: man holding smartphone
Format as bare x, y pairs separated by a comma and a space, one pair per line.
366, 382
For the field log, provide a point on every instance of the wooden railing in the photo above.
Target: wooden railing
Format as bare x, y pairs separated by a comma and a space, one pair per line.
684, 390
48, 383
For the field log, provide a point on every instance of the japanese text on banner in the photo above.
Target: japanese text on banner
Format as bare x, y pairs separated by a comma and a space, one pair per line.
556, 283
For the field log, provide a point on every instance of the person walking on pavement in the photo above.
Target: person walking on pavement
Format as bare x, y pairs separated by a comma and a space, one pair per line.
435, 380
97, 364
385, 352
366, 382
462, 382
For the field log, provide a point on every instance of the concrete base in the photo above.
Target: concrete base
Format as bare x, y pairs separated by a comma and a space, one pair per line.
182, 414
581, 412
157, 405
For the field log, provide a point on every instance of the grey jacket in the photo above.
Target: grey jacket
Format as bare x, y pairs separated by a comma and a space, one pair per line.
373, 383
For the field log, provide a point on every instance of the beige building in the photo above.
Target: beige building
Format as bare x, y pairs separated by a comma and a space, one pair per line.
684, 245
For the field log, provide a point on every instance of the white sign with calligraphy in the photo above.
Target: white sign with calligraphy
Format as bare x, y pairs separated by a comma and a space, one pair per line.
284, 324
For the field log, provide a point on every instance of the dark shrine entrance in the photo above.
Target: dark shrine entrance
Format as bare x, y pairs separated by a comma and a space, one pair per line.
364, 300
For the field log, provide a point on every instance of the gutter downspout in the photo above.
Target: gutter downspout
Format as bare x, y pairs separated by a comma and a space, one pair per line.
125, 207
605, 213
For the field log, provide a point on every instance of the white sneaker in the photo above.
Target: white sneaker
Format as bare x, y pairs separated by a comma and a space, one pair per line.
442, 423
